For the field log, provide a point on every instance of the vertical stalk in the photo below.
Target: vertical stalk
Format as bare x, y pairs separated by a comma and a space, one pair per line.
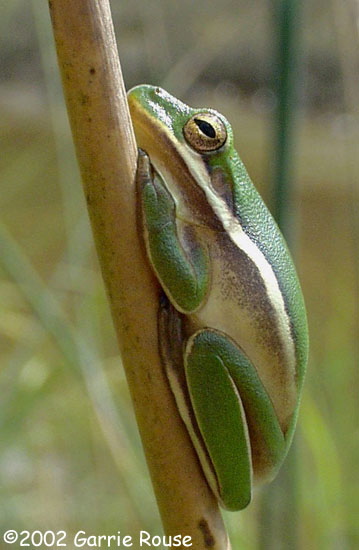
279, 510
286, 24
106, 152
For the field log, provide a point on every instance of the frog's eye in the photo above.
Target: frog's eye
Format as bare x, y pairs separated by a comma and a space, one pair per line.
205, 132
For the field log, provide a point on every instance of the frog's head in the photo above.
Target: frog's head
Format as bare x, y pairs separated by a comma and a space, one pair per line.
181, 139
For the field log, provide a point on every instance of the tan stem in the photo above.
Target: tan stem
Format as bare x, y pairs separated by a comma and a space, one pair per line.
106, 152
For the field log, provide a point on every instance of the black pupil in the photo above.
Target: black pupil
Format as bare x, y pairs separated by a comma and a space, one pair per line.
205, 127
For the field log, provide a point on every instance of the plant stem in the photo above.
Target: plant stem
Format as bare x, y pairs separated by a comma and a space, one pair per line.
106, 152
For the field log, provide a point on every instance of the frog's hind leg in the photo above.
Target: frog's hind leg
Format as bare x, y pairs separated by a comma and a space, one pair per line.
221, 420
234, 414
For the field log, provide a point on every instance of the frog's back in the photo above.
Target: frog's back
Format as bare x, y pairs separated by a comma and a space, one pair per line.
257, 222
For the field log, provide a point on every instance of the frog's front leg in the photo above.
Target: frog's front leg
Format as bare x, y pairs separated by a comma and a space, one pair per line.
181, 265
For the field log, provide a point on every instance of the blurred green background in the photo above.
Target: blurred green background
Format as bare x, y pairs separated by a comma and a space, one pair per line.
70, 455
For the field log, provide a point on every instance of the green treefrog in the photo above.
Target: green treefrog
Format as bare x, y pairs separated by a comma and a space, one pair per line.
232, 322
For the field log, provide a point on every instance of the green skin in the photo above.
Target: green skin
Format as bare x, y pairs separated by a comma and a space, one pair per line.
227, 408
